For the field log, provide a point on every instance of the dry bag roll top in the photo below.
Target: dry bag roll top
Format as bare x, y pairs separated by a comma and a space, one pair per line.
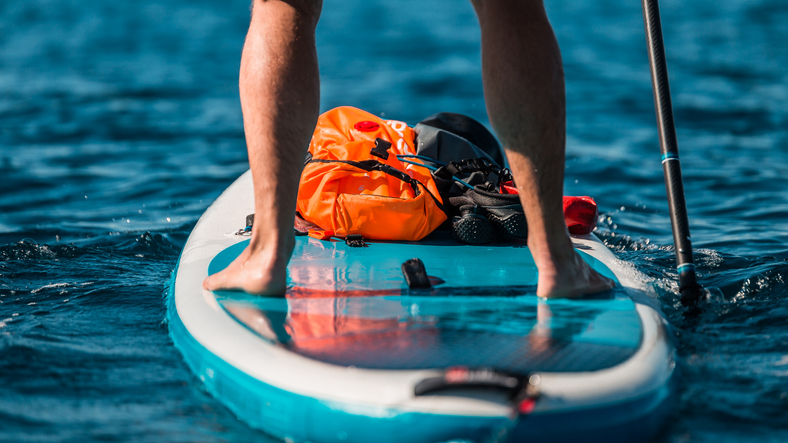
354, 183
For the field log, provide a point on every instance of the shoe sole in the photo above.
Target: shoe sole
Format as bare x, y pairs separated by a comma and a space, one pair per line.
473, 229
513, 224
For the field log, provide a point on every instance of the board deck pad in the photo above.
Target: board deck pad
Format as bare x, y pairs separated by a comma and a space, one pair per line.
350, 306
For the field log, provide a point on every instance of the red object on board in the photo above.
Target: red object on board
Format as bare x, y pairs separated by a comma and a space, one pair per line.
580, 213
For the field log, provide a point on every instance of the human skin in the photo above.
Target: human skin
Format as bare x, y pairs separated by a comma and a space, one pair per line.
523, 79
280, 99
524, 93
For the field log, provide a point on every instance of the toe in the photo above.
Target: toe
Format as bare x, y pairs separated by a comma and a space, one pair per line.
215, 281
208, 283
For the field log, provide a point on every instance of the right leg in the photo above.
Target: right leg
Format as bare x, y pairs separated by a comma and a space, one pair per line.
280, 100
524, 91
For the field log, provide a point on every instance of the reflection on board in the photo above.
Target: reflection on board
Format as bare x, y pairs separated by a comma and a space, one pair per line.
516, 334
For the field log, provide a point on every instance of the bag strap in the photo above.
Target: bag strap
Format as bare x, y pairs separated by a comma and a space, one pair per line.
495, 173
466, 166
374, 165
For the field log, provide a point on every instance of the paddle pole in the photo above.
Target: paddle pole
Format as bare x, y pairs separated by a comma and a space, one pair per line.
671, 167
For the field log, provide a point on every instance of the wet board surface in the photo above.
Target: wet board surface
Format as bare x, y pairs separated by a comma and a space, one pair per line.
350, 306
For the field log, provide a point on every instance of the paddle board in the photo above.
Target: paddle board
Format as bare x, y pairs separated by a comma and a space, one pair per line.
351, 354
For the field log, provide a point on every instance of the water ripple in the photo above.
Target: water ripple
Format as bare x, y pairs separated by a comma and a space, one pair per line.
120, 123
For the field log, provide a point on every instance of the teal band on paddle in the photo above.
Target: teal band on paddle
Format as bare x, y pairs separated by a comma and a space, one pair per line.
670, 155
686, 267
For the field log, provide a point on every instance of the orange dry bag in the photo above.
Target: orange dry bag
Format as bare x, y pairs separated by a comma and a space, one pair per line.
354, 183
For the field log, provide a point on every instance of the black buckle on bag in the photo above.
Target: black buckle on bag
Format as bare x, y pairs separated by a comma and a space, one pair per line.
381, 149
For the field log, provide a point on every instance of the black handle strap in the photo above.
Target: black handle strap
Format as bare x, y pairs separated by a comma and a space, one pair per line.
495, 173
522, 390
374, 165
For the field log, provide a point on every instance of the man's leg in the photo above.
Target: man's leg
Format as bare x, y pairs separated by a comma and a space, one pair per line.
280, 95
524, 91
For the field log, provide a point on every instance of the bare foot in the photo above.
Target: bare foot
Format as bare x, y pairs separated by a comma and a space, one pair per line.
258, 270
571, 278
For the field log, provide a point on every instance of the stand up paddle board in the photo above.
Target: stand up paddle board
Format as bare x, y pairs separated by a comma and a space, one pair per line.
352, 354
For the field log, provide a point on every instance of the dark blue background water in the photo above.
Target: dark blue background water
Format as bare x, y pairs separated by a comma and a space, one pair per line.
121, 123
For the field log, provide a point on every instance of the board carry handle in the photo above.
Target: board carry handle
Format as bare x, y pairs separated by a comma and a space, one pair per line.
522, 390
689, 288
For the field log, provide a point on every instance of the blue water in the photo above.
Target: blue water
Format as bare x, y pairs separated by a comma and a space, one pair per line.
120, 123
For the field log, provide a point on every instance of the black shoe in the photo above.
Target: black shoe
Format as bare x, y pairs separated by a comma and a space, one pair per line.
473, 227
508, 220
504, 211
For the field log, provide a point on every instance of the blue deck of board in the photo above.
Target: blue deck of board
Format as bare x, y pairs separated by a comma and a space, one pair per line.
350, 306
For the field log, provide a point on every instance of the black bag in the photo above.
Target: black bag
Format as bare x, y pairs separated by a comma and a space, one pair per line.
469, 171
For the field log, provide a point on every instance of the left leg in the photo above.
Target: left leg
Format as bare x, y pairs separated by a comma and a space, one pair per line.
280, 94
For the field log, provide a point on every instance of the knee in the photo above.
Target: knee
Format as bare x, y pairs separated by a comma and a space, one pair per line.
303, 11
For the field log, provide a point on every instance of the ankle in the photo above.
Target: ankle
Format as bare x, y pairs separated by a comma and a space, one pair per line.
275, 245
554, 253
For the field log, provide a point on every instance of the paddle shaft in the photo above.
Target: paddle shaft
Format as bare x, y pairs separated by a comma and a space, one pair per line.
688, 286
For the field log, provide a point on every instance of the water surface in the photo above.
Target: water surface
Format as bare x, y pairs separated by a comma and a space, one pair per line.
120, 123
